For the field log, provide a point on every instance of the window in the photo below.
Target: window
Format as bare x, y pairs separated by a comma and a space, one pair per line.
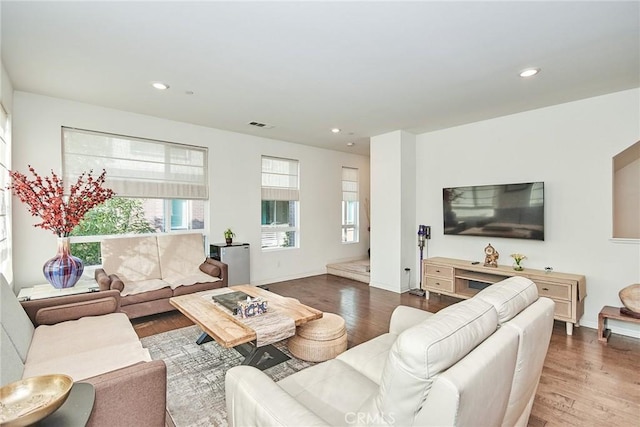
6, 271
160, 187
626, 194
280, 195
350, 205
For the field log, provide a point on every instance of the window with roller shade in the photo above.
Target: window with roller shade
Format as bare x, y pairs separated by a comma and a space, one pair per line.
350, 205
161, 187
280, 203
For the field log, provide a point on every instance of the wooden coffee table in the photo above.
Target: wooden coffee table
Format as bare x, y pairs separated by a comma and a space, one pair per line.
228, 331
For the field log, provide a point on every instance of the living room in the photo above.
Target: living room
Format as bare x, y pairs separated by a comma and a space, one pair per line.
568, 144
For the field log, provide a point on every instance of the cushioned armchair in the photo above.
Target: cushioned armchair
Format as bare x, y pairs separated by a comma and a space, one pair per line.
476, 362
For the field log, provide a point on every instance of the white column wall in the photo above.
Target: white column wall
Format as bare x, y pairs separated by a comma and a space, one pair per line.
235, 177
392, 210
409, 232
570, 147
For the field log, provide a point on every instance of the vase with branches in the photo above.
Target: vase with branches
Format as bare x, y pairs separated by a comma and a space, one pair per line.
60, 211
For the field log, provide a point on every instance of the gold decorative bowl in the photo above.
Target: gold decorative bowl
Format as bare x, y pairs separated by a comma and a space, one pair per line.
630, 298
29, 400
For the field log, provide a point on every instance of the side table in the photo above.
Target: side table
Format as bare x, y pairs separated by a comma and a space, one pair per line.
47, 291
609, 312
75, 411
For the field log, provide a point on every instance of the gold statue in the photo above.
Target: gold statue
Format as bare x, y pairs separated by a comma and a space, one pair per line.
491, 256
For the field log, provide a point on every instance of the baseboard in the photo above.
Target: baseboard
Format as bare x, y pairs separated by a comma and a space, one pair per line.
614, 327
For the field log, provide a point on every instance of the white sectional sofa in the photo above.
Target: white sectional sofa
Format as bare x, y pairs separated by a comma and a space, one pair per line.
150, 269
475, 363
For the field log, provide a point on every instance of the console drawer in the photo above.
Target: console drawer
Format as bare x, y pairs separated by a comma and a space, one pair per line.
440, 271
562, 309
436, 284
554, 290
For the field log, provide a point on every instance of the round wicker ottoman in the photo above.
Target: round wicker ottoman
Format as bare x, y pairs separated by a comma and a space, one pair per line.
320, 339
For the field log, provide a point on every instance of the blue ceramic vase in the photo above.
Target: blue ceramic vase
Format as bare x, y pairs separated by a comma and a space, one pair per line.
63, 270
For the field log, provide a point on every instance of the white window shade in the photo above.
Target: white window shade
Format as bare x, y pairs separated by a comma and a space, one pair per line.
4, 123
280, 179
349, 184
137, 167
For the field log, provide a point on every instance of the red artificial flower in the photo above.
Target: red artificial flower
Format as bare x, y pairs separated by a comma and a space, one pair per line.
45, 198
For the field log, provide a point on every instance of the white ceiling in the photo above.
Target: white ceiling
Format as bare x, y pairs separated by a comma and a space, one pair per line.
306, 67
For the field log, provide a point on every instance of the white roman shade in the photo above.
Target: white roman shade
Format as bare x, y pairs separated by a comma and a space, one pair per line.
137, 167
280, 179
349, 184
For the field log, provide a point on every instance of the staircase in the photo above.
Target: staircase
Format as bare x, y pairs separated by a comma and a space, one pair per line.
355, 270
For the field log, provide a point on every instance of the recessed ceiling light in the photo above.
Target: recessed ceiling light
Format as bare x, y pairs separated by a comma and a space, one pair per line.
160, 85
529, 72
335, 130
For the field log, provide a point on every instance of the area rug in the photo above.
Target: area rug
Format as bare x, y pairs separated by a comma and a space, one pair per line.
195, 375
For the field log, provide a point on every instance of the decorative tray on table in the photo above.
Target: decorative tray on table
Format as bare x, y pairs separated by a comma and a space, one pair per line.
29, 400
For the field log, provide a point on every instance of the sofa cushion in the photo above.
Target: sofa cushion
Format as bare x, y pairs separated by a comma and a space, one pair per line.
84, 348
149, 295
143, 286
131, 258
370, 357
210, 269
197, 287
330, 390
510, 296
190, 279
11, 366
76, 310
423, 351
14, 320
180, 255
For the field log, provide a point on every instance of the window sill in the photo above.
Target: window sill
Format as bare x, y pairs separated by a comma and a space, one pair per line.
620, 240
278, 249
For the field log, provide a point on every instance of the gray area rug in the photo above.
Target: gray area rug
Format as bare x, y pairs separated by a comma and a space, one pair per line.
195, 375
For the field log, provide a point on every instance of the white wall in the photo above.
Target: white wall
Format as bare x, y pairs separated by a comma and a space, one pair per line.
570, 147
235, 176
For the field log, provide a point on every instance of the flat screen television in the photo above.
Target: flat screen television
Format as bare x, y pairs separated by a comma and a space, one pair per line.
503, 210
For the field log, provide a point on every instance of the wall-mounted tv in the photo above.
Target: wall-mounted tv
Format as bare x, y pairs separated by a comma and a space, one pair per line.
503, 210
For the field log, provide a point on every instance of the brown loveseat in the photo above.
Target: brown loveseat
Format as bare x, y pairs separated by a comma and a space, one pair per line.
83, 337
148, 270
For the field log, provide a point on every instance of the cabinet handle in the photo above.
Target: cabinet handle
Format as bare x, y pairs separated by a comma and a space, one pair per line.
545, 289
437, 283
437, 271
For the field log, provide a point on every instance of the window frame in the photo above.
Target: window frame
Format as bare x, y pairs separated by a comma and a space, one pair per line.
177, 158
350, 197
276, 186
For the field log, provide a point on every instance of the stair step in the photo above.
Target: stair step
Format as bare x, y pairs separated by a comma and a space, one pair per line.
355, 270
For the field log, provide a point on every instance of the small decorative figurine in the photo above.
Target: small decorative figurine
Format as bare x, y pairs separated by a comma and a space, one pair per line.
491, 256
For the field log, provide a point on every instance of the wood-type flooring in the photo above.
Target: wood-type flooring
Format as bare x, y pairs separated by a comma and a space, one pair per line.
583, 383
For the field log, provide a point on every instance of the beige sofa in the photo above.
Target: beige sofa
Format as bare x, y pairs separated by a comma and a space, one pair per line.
148, 270
475, 363
84, 338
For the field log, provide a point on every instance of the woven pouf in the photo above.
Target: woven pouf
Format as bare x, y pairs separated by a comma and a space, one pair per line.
320, 339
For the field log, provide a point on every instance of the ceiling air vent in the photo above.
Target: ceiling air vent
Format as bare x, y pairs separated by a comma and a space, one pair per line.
261, 125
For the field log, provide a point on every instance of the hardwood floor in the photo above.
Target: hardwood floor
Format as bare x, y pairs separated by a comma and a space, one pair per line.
583, 383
